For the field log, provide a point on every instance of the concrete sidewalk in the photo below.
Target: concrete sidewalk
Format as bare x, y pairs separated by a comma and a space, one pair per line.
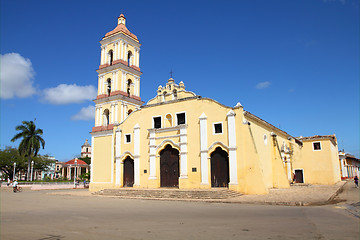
296, 195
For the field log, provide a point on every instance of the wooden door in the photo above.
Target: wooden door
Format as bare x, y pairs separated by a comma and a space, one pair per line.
299, 178
169, 167
128, 172
219, 168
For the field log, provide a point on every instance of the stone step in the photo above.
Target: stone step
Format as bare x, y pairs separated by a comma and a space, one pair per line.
221, 193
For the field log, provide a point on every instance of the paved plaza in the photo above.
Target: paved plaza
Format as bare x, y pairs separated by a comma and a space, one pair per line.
56, 214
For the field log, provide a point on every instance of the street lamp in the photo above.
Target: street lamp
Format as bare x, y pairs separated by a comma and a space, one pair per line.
32, 167
14, 171
75, 173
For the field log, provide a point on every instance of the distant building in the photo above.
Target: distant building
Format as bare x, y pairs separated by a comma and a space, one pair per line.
86, 150
349, 165
50, 171
67, 169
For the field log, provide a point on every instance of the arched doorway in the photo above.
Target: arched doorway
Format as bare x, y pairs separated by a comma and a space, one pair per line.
169, 167
219, 168
128, 172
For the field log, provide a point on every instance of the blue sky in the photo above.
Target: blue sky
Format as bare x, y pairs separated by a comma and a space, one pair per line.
293, 63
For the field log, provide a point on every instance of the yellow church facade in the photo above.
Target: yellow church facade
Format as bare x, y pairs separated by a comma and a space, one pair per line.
182, 140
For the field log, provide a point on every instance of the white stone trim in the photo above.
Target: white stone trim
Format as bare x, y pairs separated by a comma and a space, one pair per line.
112, 159
125, 140
116, 112
204, 165
303, 173
118, 172
222, 128
176, 120
92, 159
137, 155
232, 148
316, 150
153, 121
183, 152
152, 152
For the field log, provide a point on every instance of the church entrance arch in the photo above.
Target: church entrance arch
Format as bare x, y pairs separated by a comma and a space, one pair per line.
169, 167
219, 168
128, 172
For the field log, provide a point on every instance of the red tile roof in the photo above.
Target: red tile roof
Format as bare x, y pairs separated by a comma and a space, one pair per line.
79, 162
122, 28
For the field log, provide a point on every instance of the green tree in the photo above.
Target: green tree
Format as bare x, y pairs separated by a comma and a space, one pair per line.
30, 143
86, 159
8, 157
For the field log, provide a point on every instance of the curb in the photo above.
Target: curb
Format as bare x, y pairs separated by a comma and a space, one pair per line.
340, 190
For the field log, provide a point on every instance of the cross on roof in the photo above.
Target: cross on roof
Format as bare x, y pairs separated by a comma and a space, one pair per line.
171, 73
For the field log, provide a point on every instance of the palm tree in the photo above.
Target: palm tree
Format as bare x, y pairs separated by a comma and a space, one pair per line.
31, 141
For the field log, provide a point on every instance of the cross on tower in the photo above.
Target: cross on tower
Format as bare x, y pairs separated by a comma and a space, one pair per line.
171, 73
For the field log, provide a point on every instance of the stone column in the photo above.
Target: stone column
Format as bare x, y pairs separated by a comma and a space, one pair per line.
204, 167
232, 148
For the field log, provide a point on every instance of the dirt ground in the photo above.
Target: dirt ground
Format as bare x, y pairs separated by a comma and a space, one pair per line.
44, 215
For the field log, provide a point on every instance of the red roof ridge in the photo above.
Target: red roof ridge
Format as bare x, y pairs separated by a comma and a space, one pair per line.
79, 162
121, 28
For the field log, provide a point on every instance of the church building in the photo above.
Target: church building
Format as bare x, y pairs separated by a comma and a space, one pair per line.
181, 140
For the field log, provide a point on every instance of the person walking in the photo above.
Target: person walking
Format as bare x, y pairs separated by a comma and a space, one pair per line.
356, 180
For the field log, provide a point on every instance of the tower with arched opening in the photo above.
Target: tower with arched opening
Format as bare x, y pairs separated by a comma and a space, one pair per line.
119, 76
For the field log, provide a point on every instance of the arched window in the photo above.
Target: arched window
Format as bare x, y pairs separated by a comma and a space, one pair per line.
130, 111
130, 55
175, 94
128, 87
106, 117
108, 86
111, 57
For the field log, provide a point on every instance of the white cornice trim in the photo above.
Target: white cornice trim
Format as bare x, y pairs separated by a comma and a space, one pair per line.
102, 133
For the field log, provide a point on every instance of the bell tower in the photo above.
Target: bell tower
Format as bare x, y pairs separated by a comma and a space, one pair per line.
118, 77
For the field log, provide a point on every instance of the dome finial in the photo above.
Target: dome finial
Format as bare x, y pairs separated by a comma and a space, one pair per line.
121, 19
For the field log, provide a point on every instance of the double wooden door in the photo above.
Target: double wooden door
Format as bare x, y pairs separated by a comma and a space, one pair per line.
128, 172
169, 167
219, 168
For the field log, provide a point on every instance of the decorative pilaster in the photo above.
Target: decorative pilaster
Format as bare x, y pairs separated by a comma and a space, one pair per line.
232, 148
152, 155
183, 152
122, 112
204, 167
137, 155
101, 118
116, 112
117, 157
116, 81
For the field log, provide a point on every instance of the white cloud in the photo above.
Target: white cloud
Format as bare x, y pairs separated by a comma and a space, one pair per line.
16, 74
263, 85
86, 113
66, 94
